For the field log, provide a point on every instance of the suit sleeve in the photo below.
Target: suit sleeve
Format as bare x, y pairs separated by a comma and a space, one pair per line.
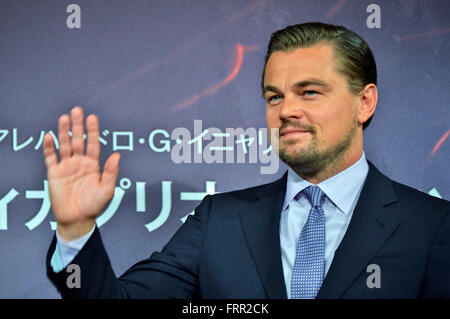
437, 283
171, 273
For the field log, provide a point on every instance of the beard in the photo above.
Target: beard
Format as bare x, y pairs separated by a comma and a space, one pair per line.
309, 159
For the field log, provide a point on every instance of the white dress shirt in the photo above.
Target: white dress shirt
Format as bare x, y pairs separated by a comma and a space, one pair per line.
342, 193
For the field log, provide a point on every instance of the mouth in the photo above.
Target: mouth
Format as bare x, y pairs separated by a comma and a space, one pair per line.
293, 132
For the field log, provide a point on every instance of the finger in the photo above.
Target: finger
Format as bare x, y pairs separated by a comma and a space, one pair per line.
77, 130
110, 172
93, 144
65, 149
49, 151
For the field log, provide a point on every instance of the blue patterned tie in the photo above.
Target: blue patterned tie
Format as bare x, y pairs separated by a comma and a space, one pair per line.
309, 266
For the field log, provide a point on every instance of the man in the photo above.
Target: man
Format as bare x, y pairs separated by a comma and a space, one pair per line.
313, 233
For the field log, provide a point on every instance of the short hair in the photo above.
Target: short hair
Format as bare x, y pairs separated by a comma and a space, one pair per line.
355, 59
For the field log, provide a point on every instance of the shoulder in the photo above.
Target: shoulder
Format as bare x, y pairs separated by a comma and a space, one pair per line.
419, 198
229, 203
403, 193
407, 202
252, 193
247, 196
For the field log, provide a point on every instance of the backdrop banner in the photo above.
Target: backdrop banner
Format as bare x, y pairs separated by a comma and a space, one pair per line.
159, 73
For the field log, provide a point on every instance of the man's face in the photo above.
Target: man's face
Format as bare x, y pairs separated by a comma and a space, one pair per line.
311, 105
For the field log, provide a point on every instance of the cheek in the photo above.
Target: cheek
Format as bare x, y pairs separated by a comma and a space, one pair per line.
328, 125
272, 117
336, 125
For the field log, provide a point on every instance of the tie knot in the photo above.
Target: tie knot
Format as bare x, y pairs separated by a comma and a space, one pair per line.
315, 195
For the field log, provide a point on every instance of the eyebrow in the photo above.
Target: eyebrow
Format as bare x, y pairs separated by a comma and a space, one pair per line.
300, 84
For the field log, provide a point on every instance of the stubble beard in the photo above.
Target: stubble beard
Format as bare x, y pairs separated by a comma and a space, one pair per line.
309, 160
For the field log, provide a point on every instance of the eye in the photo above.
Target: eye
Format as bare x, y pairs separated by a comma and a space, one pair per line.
273, 99
310, 93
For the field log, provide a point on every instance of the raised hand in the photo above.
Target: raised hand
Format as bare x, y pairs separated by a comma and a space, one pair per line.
78, 191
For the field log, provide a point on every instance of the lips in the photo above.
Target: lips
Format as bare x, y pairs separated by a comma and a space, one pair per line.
287, 132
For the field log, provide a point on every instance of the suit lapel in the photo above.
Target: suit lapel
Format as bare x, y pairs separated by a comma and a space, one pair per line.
369, 228
260, 220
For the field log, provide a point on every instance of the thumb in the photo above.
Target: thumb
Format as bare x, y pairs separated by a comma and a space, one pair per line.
110, 172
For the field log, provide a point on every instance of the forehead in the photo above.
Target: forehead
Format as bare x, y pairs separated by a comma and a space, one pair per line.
317, 61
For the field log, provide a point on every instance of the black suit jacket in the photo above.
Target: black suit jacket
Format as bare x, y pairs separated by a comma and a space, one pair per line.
230, 248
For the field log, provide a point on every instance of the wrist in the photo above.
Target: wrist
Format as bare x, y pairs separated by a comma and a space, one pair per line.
74, 231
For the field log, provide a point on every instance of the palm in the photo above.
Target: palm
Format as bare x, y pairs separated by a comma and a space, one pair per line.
75, 189
78, 191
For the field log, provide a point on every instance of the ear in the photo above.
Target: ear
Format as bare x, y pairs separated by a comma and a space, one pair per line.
368, 102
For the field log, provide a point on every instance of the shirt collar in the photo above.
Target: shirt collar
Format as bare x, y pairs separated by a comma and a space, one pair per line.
341, 188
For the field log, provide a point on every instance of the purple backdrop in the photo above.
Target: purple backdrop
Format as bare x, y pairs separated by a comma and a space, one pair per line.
146, 65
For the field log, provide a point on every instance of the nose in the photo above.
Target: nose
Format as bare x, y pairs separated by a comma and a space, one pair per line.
291, 108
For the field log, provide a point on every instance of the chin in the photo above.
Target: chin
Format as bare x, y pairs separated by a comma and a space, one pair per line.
292, 149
